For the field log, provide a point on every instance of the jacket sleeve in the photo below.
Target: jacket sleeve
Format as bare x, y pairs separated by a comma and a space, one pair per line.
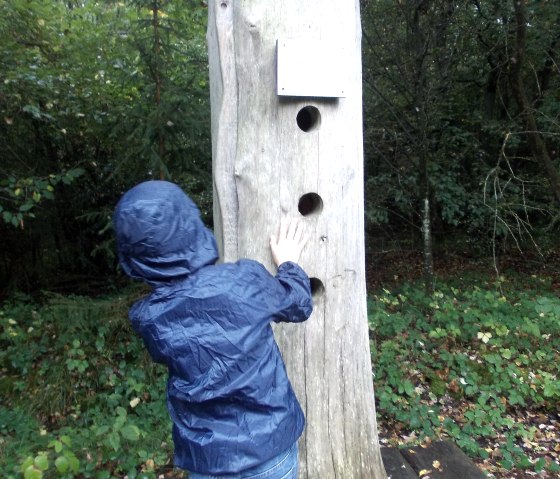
150, 334
297, 286
286, 296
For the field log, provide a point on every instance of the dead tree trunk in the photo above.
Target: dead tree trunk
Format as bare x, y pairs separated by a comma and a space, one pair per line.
293, 155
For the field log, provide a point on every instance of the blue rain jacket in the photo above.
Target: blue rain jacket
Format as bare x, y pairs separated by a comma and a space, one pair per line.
228, 394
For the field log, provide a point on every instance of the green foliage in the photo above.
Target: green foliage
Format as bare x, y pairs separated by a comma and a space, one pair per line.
95, 403
438, 104
96, 96
162, 126
468, 362
23, 195
59, 459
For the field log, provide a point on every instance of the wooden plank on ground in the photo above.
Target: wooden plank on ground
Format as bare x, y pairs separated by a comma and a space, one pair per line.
443, 460
395, 464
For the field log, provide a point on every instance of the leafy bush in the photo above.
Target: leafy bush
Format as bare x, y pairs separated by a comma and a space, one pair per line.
469, 363
94, 403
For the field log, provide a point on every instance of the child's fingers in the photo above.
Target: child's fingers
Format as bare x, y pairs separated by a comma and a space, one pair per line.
298, 233
283, 228
303, 240
292, 229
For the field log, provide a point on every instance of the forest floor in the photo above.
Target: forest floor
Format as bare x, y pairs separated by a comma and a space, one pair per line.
111, 433
545, 444
391, 269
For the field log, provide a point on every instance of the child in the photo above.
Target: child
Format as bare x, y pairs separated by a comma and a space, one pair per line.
233, 409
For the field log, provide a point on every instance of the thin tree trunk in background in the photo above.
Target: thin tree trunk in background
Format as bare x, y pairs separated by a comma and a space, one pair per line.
158, 84
536, 141
426, 222
427, 241
418, 45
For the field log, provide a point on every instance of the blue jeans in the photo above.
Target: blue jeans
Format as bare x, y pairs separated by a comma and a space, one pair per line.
283, 466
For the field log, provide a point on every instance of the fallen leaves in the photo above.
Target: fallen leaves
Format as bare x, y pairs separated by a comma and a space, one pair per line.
542, 445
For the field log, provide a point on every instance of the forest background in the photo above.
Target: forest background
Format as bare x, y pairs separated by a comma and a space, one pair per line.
462, 181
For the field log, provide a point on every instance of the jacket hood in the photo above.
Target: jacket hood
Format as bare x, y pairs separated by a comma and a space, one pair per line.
160, 235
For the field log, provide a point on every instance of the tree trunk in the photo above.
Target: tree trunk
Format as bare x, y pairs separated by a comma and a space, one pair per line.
419, 94
158, 83
300, 157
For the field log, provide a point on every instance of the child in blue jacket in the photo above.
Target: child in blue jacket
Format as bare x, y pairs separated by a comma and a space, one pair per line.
233, 409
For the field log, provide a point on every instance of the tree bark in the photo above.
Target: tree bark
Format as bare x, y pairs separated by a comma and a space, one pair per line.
263, 164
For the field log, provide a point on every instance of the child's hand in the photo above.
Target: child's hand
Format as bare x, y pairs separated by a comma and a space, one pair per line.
290, 242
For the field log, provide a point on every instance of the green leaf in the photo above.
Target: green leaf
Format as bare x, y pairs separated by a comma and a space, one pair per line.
26, 207
551, 389
73, 461
507, 464
506, 353
532, 329
62, 464
66, 440
102, 430
114, 441
28, 462
48, 194
409, 388
41, 461
131, 432
540, 464
33, 110
32, 473
74, 173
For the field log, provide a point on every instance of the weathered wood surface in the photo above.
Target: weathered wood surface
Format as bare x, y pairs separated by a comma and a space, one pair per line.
263, 163
439, 460
395, 464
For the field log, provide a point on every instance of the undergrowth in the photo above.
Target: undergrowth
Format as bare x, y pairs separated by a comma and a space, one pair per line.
471, 363
81, 397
